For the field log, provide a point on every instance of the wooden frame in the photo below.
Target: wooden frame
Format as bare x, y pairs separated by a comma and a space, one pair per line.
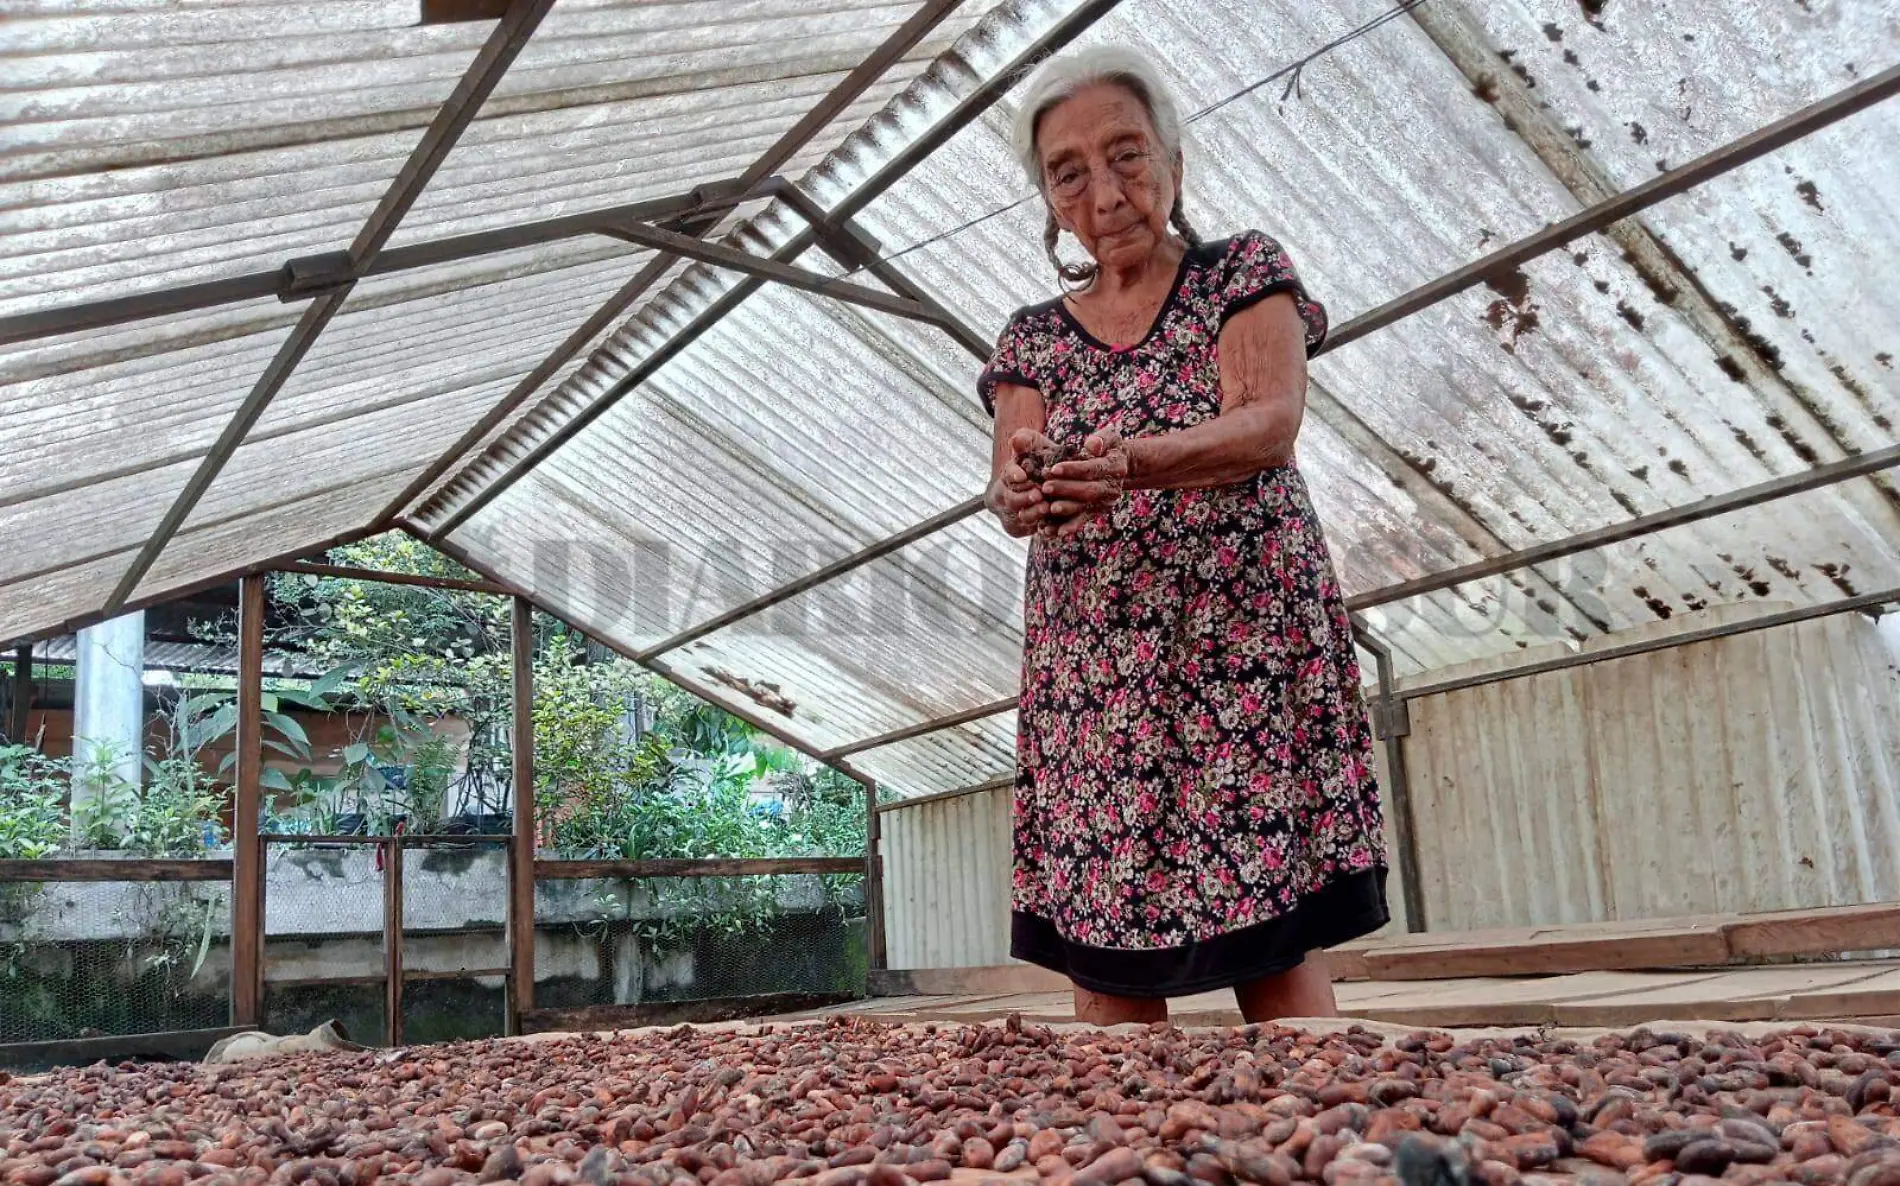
247, 852
141, 869
521, 862
344, 572
392, 941
698, 867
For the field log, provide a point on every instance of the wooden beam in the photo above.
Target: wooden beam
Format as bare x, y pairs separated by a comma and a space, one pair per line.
700, 867
521, 864
392, 942
1007, 979
1833, 930
57, 870
449, 12
347, 573
247, 853
189, 1045
599, 1018
1549, 951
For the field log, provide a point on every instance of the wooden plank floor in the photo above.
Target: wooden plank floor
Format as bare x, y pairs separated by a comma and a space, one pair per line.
1857, 991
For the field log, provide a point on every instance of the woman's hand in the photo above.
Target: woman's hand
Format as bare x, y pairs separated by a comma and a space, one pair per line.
1012, 497
1087, 486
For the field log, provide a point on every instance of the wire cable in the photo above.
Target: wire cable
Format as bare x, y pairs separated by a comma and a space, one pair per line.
1291, 72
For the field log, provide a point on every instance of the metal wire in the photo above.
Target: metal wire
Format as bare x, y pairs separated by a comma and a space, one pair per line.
107, 958
1291, 72
689, 939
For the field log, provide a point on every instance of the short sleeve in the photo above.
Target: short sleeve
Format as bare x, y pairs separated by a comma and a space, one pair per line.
1257, 267
1008, 364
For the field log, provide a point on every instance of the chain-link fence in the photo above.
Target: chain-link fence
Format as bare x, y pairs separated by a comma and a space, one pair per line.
670, 939
83, 959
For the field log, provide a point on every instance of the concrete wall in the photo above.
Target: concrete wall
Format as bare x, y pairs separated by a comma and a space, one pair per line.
1756, 772
89, 947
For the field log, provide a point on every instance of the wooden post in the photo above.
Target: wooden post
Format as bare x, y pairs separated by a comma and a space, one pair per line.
247, 854
873, 880
392, 941
521, 846
22, 693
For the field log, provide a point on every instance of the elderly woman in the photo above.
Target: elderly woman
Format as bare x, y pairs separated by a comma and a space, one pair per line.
1195, 802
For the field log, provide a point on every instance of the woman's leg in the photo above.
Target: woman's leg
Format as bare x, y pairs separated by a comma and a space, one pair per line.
1305, 991
1096, 1008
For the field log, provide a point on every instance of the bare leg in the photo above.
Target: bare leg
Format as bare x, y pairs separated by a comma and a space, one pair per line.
1305, 991
1095, 1008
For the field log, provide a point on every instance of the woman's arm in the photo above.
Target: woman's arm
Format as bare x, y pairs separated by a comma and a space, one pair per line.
1263, 399
1012, 497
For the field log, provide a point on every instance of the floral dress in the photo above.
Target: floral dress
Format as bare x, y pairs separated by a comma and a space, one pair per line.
1195, 799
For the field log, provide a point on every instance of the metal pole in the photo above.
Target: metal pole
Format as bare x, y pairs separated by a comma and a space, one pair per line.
521, 842
247, 854
1865, 601
1391, 725
927, 17
311, 275
852, 248
732, 259
951, 721
971, 108
1819, 477
836, 568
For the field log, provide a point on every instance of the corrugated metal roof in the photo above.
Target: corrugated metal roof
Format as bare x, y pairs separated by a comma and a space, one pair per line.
160, 655
1748, 339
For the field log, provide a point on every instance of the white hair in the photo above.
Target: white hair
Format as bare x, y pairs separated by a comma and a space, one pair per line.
1062, 77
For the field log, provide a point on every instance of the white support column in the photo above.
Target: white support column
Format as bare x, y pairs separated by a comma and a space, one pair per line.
109, 700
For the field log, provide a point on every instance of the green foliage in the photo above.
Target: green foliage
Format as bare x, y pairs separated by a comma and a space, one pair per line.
626, 765
32, 789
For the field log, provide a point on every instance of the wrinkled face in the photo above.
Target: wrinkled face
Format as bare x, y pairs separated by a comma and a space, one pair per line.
1105, 176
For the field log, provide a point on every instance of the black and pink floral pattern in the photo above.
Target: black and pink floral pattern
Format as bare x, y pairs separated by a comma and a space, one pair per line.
1195, 799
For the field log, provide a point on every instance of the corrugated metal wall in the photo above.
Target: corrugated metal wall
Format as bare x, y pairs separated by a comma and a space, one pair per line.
946, 882
1756, 772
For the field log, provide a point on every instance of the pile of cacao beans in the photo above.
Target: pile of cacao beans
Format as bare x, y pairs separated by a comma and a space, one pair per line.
855, 1102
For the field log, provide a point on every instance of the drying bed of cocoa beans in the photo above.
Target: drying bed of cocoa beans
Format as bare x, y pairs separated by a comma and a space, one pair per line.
852, 1102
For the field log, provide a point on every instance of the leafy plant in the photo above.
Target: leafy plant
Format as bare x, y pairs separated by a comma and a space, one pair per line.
32, 789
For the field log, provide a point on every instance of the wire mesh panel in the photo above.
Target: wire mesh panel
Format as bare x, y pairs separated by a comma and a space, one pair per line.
454, 909
106, 958
620, 941
323, 927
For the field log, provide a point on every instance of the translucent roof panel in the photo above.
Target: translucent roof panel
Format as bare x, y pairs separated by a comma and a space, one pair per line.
794, 432
931, 630
212, 547
118, 419
1807, 549
481, 323
614, 102
151, 147
1796, 249
116, 401
40, 604
950, 760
